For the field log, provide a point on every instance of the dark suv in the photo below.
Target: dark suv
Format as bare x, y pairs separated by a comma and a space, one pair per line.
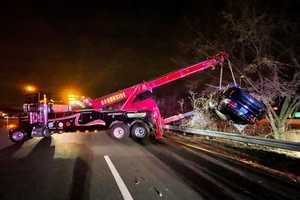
240, 107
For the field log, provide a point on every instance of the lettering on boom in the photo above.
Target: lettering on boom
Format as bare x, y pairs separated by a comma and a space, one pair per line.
112, 99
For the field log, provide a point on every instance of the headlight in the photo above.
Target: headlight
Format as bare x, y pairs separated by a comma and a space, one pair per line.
136, 115
50, 125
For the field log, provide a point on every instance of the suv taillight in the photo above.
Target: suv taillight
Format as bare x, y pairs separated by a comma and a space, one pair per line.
232, 104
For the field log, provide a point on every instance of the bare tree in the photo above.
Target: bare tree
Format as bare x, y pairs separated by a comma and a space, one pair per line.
273, 88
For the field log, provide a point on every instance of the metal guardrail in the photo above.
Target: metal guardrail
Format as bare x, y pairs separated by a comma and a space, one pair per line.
294, 146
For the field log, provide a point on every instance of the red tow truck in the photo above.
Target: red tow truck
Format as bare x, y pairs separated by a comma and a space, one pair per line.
130, 111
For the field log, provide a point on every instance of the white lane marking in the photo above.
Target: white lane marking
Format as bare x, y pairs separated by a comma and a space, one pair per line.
122, 187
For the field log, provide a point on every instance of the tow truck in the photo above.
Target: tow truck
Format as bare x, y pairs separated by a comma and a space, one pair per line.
126, 112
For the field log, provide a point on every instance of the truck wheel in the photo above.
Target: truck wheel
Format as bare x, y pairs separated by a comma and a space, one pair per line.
17, 136
119, 130
140, 131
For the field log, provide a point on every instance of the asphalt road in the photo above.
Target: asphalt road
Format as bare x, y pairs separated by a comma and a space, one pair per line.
80, 166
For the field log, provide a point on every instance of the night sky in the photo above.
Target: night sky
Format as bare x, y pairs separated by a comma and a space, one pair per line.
95, 48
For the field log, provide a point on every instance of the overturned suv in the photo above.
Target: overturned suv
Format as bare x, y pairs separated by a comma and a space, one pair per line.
237, 105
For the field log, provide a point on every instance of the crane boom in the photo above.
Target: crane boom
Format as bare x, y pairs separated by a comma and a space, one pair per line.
128, 93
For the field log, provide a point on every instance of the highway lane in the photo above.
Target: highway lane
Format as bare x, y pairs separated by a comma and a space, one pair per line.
72, 166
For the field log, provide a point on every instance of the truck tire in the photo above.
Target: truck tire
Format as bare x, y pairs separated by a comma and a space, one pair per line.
17, 135
119, 130
140, 131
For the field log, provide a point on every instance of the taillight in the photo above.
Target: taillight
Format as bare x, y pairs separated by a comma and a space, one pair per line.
232, 104
68, 124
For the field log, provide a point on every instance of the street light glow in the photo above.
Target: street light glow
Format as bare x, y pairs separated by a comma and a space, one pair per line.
10, 126
71, 95
30, 88
2, 114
